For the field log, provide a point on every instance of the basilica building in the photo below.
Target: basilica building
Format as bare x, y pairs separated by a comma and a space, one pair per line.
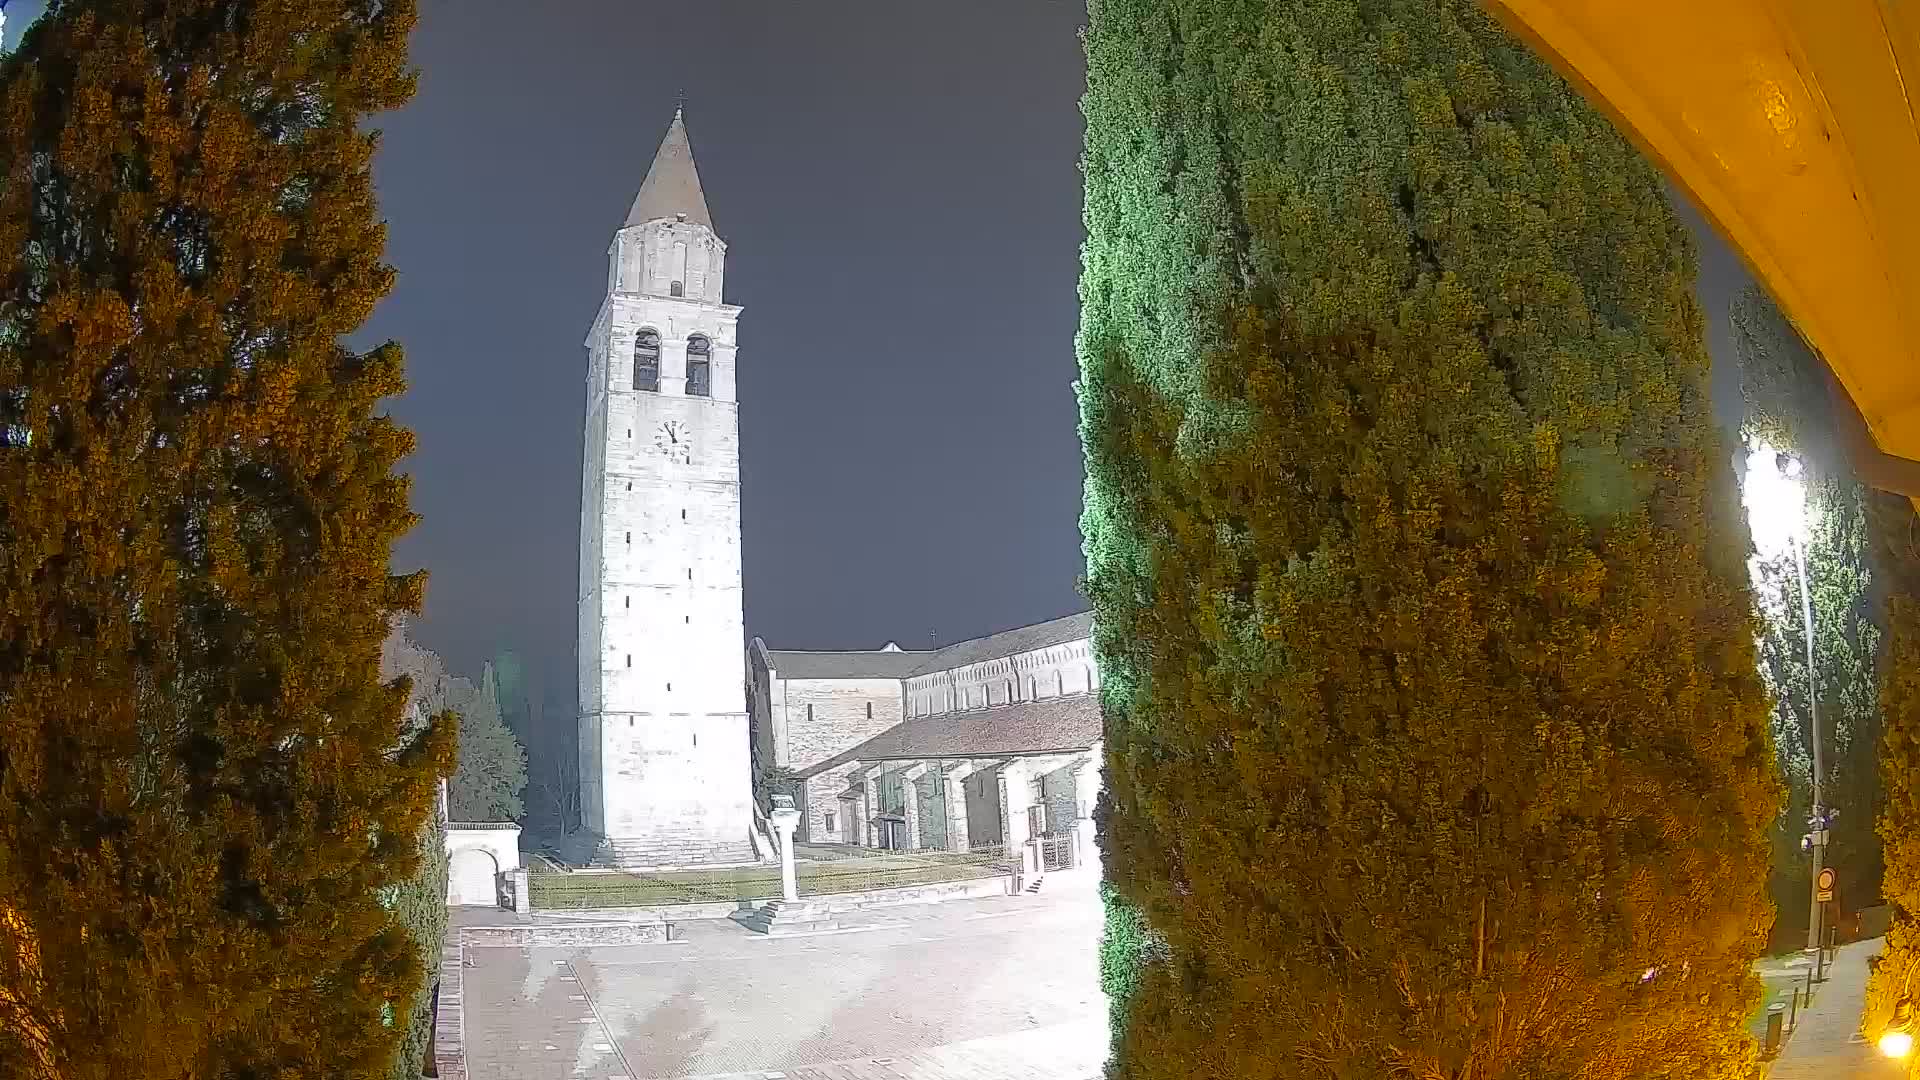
684, 738
988, 742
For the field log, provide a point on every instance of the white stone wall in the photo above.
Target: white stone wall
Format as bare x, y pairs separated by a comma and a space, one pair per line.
477, 855
1067, 668
664, 750
818, 718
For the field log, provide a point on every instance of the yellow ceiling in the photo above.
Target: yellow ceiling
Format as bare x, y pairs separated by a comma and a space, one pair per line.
1791, 124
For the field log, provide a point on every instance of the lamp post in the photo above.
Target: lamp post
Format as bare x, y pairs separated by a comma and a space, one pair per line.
1777, 515
1817, 815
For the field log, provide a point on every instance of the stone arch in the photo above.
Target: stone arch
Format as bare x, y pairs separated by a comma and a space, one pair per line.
473, 878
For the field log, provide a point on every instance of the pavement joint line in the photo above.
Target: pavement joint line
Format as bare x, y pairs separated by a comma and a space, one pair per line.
605, 1028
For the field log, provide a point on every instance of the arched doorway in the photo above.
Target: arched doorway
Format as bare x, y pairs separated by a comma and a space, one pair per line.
473, 879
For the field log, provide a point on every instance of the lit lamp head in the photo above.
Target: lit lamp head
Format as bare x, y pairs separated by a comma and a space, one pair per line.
1774, 493
1897, 1040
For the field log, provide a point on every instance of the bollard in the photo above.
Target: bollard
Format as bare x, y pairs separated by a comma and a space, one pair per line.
1776, 1015
1793, 1014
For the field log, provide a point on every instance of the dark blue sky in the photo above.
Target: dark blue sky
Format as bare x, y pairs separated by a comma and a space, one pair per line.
898, 186
897, 183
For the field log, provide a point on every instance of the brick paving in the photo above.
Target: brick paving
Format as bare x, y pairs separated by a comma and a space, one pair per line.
985, 989
1827, 1044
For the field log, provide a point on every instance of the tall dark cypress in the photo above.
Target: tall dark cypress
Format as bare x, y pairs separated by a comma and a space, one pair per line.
206, 790
1435, 742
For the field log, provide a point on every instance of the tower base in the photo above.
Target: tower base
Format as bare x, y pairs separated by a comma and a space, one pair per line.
656, 852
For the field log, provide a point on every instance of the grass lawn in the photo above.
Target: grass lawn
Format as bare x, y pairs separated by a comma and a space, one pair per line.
551, 889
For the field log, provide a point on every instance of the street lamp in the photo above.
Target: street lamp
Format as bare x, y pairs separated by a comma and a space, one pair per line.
1775, 495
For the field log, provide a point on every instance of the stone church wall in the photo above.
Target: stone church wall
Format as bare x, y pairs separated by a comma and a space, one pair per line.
823, 717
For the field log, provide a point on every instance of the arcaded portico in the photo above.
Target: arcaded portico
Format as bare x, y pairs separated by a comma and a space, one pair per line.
989, 742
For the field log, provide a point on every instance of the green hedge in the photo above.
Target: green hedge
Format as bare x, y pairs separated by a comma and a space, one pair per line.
1433, 720
1896, 533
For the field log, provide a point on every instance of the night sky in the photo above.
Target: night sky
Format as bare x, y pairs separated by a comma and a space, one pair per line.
898, 187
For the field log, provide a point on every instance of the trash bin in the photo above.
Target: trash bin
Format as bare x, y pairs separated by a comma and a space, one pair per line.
1776, 1021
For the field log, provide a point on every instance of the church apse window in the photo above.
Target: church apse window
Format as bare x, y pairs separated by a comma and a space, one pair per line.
699, 367
646, 361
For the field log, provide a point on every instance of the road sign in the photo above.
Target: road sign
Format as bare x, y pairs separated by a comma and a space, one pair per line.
1823, 885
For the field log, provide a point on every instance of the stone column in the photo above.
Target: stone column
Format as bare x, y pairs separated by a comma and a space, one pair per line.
910, 783
956, 805
1086, 792
870, 809
785, 819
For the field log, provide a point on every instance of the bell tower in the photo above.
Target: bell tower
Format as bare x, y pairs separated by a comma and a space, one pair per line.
665, 772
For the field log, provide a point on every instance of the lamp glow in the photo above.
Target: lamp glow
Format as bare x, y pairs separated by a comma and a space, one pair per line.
1896, 1044
1775, 495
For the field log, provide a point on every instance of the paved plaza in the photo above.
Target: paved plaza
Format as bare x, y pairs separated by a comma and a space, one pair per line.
985, 989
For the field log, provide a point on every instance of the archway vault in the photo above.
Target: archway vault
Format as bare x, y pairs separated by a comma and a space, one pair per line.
1791, 124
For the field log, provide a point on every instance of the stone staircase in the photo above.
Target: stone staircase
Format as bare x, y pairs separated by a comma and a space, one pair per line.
655, 854
778, 918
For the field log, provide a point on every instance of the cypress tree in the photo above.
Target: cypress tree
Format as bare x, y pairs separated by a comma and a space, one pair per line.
1891, 985
420, 904
205, 786
1435, 742
492, 772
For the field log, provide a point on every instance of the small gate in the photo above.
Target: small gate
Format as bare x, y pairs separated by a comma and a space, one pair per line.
1056, 851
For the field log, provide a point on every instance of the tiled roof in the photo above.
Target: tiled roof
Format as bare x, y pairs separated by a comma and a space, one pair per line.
1027, 727
1013, 642
868, 664
895, 664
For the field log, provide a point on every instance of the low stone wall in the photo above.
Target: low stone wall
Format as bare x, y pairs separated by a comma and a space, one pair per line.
562, 935
450, 1016
672, 913
912, 894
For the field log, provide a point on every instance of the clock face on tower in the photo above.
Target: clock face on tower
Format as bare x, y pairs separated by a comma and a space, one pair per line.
674, 442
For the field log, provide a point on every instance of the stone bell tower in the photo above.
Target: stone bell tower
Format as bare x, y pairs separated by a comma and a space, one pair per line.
664, 762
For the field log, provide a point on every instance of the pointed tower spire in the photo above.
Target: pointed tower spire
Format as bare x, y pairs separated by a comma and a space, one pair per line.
672, 186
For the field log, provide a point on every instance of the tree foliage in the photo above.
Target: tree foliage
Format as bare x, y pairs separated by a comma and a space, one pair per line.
1787, 409
491, 772
1896, 975
420, 905
205, 785
1432, 716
